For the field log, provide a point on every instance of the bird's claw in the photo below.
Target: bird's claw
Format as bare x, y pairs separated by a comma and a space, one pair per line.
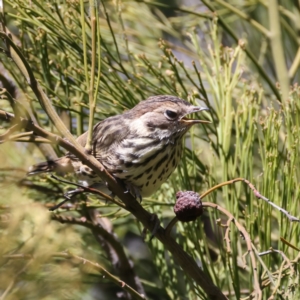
134, 191
68, 196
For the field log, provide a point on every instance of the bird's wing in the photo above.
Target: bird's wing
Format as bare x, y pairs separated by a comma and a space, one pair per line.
106, 135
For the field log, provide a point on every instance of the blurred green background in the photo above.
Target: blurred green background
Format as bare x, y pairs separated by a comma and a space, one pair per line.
239, 58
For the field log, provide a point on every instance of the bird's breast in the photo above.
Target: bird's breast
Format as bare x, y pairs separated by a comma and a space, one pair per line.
145, 163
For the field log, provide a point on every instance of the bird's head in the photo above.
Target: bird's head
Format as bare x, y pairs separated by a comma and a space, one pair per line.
163, 117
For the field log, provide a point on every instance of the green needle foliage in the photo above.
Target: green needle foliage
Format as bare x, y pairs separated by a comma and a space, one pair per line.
95, 59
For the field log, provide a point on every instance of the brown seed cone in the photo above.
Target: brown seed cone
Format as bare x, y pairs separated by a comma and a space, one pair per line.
188, 206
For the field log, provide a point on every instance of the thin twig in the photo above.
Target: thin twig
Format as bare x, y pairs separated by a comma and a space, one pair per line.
110, 244
247, 238
24, 67
13, 280
84, 261
277, 48
5, 136
256, 193
288, 262
90, 190
92, 98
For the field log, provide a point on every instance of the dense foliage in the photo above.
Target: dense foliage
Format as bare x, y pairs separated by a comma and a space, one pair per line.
96, 59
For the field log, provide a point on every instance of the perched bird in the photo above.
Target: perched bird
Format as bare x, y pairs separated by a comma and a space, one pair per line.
142, 146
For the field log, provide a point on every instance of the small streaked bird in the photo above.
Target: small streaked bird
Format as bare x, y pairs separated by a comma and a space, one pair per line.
142, 146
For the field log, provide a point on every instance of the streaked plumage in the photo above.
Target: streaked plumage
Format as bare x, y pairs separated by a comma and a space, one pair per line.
142, 146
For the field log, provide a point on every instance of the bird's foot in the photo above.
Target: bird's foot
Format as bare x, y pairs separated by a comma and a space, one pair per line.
134, 191
68, 196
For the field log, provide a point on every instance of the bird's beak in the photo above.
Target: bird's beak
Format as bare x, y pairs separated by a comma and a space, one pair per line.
186, 121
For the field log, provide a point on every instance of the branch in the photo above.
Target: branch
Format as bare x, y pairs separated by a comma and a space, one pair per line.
84, 261
109, 243
187, 263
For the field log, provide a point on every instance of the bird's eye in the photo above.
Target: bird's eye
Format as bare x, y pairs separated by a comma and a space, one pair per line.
171, 115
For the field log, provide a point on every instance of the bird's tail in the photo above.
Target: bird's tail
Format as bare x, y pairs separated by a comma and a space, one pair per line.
61, 165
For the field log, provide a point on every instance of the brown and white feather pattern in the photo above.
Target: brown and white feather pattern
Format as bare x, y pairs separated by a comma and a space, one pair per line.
142, 146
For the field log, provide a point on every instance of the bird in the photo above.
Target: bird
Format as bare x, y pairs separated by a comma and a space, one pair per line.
142, 146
